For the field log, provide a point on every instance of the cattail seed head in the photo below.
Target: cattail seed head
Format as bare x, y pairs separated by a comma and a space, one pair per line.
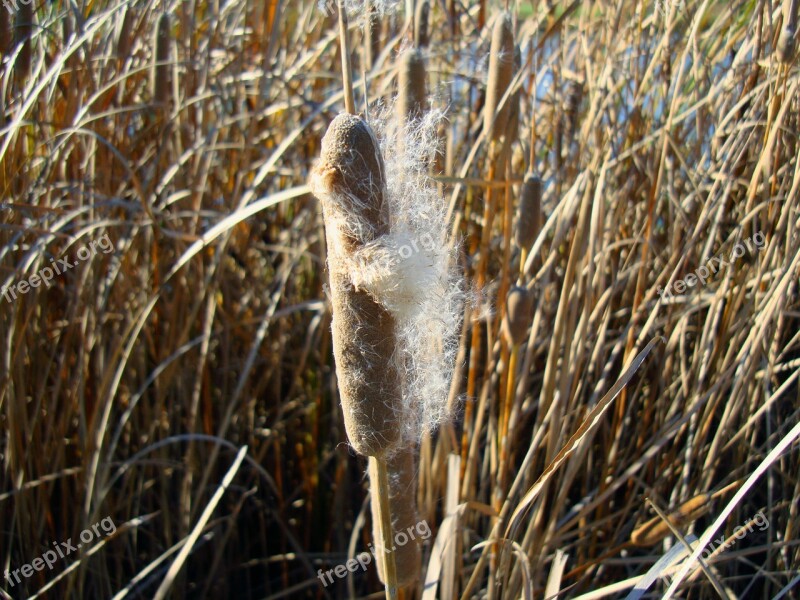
529, 215
421, 23
519, 313
124, 37
350, 182
403, 506
161, 66
412, 97
501, 72
655, 530
22, 36
786, 41
5, 32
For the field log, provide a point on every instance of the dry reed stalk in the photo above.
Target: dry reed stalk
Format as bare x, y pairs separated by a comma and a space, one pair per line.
501, 62
412, 93
402, 469
786, 42
422, 23
160, 82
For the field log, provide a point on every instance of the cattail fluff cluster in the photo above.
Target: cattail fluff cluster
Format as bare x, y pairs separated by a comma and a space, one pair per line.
386, 230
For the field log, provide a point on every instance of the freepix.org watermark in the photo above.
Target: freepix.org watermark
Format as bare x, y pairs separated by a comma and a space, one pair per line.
57, 267
9, 3
62, 550
401, 538
740, 532
757, 242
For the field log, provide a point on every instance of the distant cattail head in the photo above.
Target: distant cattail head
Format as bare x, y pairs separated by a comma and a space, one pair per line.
501, 72
653, 531
529, 214
786, 42
421, 23
161, 59
403, 508
5, 32
519, 313
22, 36
350, 182
124, 36
412, 95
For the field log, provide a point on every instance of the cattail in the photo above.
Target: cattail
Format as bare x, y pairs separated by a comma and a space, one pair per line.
373, 32
412, 97
655, 530
402, 502
350, 182
161, 67
786, 41
22, 36
519, 312
529, 215
5, 32
124, 38
421, 19
501, 71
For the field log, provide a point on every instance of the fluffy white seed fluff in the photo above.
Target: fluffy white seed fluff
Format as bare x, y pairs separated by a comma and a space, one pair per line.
356, 8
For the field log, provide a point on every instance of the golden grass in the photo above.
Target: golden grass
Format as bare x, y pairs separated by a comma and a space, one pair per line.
130, 385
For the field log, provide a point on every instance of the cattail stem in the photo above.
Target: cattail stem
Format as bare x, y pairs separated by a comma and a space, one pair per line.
347, 71
381, 495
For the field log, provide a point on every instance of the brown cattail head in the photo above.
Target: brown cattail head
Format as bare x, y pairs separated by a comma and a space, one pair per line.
350, 182
22, 35
5, 32
373, 45
519, 313
529, 215
421, 23
402, 468
655, 530
161, 66
412, 96
501, 71
124, 37
786, 42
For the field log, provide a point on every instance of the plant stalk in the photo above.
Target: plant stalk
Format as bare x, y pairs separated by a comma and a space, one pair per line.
381, 495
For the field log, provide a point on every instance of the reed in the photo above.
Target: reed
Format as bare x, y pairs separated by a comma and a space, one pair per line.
402, 468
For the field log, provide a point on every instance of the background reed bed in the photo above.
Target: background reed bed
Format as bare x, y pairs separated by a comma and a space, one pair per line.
184, 385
